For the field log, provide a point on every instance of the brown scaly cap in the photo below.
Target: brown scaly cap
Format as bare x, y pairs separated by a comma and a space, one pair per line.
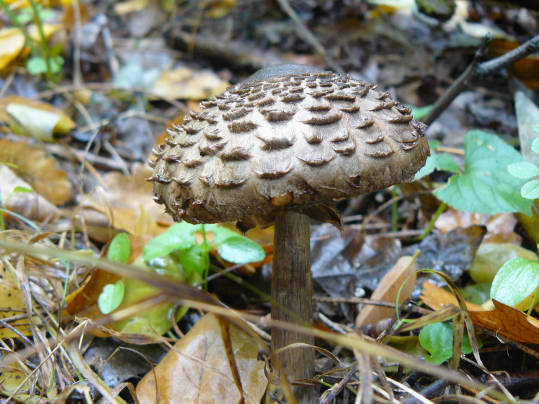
296, 141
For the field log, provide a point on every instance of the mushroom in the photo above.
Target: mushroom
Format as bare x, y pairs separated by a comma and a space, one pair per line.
280, 148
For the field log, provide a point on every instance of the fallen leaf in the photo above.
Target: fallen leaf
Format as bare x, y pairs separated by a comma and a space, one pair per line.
34, 118
400, 280
117, 207
499, 227
32, 165
13, 303
197, 369
129, 6
187, 84
504, 320
18, 197
13, 42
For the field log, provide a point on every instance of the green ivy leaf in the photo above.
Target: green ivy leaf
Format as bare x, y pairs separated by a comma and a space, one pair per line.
36, 65
437, 339
111, 297
523, 169
486, 185
119, 248
530, 190
241, 250
178, 236
516, 281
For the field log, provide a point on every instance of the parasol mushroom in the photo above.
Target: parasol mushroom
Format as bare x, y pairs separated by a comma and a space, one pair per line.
279, 149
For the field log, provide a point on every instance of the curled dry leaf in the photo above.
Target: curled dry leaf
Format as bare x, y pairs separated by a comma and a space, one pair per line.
36, 169
499, 227
34, 118
504, 320
117, 207
17, 196
197, 369
400, 280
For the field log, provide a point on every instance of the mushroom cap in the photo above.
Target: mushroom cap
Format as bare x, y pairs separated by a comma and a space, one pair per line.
295, 141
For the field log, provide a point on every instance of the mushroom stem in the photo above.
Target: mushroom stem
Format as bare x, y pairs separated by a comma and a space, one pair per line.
292, 296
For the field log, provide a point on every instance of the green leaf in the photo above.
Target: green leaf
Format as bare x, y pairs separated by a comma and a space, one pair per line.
524, 170
437, 339
119, 248
36, 65
111, 297
486, 185
178, 236
478, 293
438, 161
241, 250
530, 190
516, 280
535, 145
23, 190
194, 260
221, 234
420, 112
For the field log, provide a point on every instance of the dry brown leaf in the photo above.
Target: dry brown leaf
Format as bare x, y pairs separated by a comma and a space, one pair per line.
12, 42
401, 278
15, 198
503, 320
187, 84
499, 227
197, 370
36, 169
117, 207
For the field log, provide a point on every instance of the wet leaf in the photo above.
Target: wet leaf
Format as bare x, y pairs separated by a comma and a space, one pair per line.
504, 320
485, 186
241, 250
197, 369
516, 283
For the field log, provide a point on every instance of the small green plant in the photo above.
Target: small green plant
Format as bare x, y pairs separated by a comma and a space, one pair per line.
516, 283
178, 253
527, 171
437, 339
43, 59
485, 185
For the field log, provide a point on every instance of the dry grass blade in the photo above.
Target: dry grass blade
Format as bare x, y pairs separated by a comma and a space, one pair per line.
196, 298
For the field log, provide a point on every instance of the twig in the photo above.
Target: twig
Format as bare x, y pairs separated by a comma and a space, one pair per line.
458, 85
330, 395
478, 70
308, 37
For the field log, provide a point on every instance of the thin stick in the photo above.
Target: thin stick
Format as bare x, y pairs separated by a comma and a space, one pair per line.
478, 70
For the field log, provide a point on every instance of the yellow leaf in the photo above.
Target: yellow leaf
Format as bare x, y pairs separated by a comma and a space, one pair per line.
12, 300
219, 8
12, 42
